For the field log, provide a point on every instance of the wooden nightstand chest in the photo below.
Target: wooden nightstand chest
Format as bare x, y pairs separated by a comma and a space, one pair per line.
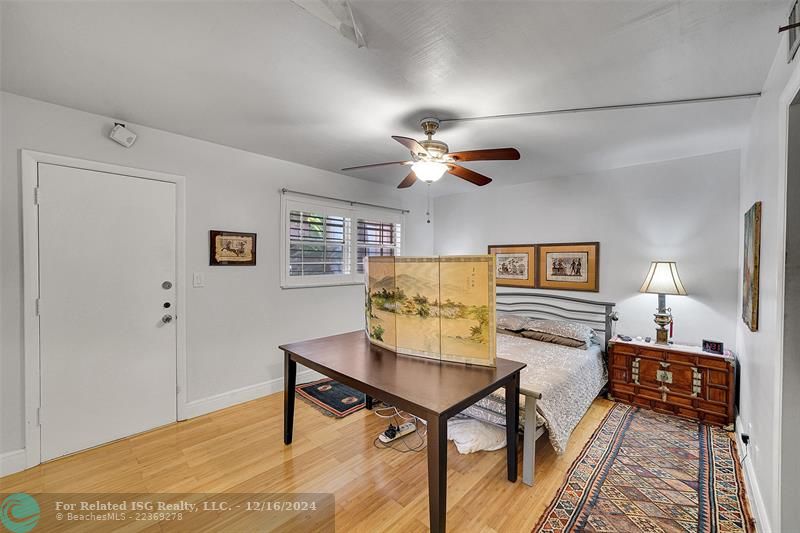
674, 379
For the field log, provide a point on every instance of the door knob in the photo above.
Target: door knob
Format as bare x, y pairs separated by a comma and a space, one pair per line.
166, 319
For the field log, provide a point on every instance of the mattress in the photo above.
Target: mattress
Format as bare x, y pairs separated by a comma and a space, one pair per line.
569, 379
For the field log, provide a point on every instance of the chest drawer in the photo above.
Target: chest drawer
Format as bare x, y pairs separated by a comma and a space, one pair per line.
694, 385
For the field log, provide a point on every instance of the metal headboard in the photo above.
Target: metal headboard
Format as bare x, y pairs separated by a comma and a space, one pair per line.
527, 302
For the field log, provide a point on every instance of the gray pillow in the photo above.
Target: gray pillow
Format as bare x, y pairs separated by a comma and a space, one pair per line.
509, 332
553, 339
560, 332
511, 321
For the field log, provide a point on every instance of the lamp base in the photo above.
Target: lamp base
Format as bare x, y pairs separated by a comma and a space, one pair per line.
663, 318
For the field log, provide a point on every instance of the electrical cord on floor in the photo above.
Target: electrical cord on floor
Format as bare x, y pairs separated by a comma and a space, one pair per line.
746, 441
397, 418
746, 451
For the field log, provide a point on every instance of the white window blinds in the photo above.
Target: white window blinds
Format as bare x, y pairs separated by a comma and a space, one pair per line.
325, 243
319, 244
376, 237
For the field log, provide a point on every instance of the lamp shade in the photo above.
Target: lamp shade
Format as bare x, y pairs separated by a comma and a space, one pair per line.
662, 278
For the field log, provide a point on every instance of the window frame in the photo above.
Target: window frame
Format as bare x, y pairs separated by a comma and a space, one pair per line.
292, 202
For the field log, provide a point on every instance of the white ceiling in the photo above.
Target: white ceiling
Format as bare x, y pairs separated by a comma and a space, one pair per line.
269, 78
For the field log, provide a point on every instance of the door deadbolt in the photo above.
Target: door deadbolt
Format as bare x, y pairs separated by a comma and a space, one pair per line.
166, 285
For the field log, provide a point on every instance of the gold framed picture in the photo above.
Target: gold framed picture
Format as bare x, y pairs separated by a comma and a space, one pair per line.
515, 264
569, 266
752, 257
232, 248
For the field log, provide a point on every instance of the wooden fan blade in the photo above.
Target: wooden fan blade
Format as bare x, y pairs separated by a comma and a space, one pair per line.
411, 144
469, 175
408, 181
380, 165
491, 154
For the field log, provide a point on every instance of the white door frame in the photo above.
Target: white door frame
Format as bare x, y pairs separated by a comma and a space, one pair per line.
29, 161
785, 100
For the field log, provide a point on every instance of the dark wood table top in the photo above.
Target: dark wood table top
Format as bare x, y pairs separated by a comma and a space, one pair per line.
430, 386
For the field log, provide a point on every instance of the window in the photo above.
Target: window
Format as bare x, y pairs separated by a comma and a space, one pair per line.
318, 244
376, 237
325, 243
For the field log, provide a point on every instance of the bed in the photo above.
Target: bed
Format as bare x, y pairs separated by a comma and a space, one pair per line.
559, 383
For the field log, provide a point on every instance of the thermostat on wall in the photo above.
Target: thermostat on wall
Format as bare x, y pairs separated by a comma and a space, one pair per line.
122, 135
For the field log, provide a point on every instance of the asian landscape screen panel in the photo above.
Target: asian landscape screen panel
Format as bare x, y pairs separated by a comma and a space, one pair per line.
468, 309
435, 307
381, 299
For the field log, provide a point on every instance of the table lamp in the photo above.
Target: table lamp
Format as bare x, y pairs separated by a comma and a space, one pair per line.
663, 279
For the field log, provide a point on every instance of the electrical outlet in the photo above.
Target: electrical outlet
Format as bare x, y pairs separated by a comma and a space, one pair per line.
198, 280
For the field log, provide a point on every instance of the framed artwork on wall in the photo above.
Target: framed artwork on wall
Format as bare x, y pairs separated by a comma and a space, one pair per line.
232, 248
752, 257
569, 266
515, 264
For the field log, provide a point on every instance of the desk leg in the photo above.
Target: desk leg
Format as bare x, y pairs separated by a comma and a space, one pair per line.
368, 401
289, 382
512, 426
437, 472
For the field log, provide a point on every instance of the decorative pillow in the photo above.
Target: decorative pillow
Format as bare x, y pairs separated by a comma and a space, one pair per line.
559, 332
553, 339
509, 332
511, 321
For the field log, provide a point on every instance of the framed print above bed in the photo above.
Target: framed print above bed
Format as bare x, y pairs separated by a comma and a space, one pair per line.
515, 264
232, 248
569, 266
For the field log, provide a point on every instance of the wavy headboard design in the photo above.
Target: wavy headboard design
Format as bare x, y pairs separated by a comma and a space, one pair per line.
531, 303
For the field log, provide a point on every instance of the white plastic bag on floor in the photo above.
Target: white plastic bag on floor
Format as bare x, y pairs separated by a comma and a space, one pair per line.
470, 435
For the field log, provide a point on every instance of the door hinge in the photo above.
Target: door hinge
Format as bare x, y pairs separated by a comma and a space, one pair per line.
36, 196
38, 416
177, 389
38, 306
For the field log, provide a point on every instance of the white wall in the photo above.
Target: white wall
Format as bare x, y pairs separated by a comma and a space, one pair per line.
236, 322
684, 210
759, 352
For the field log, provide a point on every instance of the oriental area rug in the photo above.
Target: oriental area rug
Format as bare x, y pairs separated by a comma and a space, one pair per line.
331, 397
646, 471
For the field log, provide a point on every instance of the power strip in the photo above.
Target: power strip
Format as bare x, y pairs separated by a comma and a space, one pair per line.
402, 431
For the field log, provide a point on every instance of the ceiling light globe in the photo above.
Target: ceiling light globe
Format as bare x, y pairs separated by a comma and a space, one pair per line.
429, 171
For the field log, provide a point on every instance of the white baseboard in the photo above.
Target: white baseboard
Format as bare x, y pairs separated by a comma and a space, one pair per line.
12, 462
245, 394
16, 460
753, 491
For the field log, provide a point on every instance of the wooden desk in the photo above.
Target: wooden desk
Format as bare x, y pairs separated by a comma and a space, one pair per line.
429, 389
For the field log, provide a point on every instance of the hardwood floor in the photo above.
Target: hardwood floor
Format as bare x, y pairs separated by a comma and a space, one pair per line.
240, 449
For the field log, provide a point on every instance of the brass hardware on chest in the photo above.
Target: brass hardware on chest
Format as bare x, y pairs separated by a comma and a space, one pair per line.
676, 379
664, 390
664, 375
697, 379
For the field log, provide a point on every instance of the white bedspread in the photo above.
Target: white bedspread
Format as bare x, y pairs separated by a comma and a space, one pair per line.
569, 379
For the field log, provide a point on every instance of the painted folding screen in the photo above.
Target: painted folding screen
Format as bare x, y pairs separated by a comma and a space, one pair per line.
435, 307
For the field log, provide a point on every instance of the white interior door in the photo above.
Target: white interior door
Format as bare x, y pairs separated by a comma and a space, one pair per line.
107, 255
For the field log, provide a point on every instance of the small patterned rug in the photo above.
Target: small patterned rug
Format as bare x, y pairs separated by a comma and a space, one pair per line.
331, 397
644, 471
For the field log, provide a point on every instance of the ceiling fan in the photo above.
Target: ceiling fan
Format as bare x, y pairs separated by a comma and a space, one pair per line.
431, 159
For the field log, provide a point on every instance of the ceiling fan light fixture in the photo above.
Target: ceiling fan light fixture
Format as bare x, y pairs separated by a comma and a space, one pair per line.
429, 171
